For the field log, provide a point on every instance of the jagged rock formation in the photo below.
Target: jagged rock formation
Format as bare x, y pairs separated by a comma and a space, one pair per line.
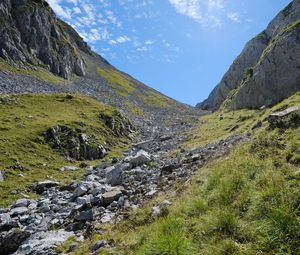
30, 33
37, 49
267, 70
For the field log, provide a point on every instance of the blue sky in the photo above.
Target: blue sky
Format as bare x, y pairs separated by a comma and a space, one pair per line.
180, 47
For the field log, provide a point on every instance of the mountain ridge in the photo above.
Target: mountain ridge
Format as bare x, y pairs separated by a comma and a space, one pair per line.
58, 60
246, 83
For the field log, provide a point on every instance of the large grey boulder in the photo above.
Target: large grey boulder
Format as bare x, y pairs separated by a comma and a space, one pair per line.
141, 157
285, 119
21, 203
80, 191
109, 197
114, 175
43, 242
267, 70
41, 186
10, 241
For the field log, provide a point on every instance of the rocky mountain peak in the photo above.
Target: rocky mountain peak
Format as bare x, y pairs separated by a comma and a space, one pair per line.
31, 34
267, 70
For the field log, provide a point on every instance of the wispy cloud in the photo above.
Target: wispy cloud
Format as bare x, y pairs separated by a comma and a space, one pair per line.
208, 13
119, 40
64, 12
234, 16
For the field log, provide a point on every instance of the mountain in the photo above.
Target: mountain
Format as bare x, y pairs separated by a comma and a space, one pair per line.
42, 54
267, 70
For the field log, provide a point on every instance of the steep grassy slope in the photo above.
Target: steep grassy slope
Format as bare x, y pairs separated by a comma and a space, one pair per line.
246, 203
23, 121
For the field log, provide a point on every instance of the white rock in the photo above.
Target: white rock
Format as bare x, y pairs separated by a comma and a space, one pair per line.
69, 168
141, 157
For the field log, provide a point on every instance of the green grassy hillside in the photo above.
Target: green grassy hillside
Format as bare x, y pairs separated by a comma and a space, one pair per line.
23, 121
246, 203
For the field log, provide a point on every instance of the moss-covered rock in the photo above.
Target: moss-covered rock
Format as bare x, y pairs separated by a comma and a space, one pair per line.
74, 143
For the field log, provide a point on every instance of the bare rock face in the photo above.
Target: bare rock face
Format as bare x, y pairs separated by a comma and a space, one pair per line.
267, 70
30, 33
74, 143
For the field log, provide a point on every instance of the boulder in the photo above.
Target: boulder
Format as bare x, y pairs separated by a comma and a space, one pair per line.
40, 187
140, 158
80, 190
109, 197
21, 203
18, 211
285, 119
44, 242
10, 241
85, 216
114, 175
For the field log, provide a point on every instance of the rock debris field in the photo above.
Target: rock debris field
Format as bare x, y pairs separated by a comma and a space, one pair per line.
106, 194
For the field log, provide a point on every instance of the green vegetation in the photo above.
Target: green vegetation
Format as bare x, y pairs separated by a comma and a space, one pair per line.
37, 72
23, 121
277, 39
120, 82
220, 125
246, 203
134, 109
125, 87
154, 99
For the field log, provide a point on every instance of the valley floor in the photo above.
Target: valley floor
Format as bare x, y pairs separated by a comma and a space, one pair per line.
230, 185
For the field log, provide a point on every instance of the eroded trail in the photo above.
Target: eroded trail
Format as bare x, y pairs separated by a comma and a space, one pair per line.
107, 192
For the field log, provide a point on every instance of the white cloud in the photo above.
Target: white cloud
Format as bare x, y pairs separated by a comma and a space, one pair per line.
64, 12
148, 42
144, 48
234, 16
123, 39
76, 10
120, 40
208, 13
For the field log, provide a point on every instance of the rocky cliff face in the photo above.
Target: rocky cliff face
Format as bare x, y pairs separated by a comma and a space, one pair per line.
37, 49
30, 33
267, 70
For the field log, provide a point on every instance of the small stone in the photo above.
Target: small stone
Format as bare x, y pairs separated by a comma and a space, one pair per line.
79, 191
85, 216
45, 208
2, 176
69, 168
151, 193
162, 209
168, 168
97, 245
